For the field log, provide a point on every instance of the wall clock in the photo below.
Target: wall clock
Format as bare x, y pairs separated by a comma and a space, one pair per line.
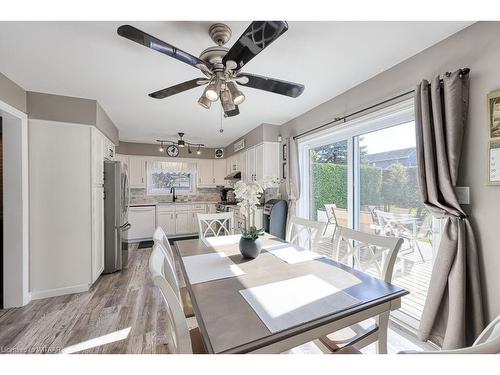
173, 151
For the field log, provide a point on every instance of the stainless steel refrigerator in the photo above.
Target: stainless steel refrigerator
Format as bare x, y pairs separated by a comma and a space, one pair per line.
116, 202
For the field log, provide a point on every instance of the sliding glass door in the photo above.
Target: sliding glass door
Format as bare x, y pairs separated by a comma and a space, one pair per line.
367, 169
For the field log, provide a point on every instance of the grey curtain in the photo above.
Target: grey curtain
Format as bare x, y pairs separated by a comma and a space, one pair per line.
293, 184
453, 314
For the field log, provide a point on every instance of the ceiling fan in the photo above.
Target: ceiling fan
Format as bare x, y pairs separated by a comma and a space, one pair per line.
222, 66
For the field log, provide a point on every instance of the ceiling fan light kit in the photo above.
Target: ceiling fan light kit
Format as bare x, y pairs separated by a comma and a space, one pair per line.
221, 66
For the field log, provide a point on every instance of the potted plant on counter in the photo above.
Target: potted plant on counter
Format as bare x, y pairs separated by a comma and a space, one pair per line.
249, 195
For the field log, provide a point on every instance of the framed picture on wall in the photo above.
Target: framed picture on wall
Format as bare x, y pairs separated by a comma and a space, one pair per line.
494, 162
285, 152
284, 171
494, 114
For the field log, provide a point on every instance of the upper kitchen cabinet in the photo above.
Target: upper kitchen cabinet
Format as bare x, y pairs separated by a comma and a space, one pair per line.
262, 161
137, 172
205, 172
211, 172
219, 172
109, 150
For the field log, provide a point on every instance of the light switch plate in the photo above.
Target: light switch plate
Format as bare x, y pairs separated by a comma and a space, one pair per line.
463, 194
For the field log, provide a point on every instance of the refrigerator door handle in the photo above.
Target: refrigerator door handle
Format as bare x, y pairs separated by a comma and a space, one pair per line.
125, 226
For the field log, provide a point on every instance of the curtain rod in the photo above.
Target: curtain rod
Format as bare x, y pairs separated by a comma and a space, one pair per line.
343, 119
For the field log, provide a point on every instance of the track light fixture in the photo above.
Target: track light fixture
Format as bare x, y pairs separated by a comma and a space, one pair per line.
172, 149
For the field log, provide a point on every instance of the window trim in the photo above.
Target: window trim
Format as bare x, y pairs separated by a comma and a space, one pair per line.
194, 178
393, 115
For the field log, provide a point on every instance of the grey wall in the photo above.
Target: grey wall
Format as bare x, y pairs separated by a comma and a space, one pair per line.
67, 109
262, 133
476, 47
12, 94
105, 125
147, 149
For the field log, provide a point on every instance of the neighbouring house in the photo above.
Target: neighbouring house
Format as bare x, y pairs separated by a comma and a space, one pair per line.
406, 157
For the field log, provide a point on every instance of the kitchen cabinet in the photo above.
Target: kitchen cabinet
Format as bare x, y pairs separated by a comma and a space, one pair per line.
166, 220
97, 232
262, 161
219, 168
194, 228
211, 208
211, 172
97, 157
143, 223
250, 165
137, 172
206, 172
182, 222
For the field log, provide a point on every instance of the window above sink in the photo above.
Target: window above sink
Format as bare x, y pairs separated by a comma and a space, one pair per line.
163, 175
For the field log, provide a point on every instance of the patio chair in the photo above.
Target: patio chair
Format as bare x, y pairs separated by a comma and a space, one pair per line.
396, 225
331, 218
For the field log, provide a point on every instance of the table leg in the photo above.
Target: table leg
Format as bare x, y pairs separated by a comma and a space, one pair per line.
383, 325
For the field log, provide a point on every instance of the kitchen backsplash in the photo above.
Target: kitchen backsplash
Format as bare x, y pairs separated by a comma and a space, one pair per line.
139, 195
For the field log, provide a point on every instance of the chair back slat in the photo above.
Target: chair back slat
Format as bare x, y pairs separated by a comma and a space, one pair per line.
167, 270
177, 332
305, 233
159, 236
215, 225
357, 242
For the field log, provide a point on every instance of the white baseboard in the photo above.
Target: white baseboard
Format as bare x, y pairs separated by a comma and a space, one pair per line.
39, 294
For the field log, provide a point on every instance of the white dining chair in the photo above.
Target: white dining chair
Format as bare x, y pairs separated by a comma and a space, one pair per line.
179, 338
304, 233
159, 236
331, 218
215, 225
488, 342
169, 273
364, 250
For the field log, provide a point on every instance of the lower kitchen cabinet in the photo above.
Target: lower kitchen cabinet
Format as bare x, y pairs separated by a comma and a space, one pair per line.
166, 220
182, 222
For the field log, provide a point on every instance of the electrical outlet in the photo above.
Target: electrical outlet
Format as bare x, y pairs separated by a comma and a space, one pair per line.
463, 194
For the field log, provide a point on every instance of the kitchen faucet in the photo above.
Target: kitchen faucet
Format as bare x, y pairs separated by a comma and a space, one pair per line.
172, 190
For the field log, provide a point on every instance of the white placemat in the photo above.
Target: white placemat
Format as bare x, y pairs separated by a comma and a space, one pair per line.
287, 303
292, 254
221, 240
208, 267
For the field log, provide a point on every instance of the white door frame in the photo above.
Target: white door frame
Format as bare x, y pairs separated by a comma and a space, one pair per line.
15, 206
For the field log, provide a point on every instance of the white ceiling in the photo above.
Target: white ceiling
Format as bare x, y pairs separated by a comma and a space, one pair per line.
89, 60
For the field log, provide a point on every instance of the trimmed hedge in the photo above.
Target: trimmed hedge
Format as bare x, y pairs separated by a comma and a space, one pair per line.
394, 186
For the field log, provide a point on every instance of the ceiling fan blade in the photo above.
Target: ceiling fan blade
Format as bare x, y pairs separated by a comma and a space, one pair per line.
233, 112
138, 36
254, 39
172, 90
271, 84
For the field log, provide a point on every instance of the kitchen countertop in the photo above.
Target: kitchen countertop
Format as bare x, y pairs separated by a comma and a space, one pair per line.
156, 203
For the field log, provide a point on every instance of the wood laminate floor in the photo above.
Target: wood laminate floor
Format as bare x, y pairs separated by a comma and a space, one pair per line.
122, 313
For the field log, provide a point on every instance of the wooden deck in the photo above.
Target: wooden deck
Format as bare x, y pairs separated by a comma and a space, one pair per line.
410, 272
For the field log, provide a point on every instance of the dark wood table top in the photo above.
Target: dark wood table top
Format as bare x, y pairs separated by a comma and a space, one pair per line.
229, 324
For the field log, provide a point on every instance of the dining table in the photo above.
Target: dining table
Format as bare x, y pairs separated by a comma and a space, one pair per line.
235, 315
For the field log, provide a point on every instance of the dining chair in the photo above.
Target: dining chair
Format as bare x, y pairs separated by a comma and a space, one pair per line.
215, 225
331, 218
159, 236
488, 342
305, 233
180, 339
169, 273
363, 251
